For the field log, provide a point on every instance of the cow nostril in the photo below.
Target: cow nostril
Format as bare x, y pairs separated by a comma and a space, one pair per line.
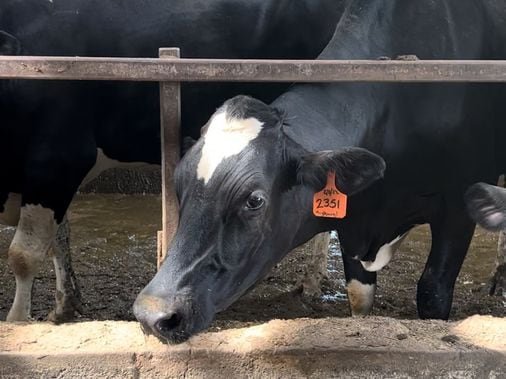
168, 323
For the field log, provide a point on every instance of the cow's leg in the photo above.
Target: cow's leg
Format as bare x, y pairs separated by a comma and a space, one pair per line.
33, 238
54, 172
498, 281
360, 285
452, 231
67, 295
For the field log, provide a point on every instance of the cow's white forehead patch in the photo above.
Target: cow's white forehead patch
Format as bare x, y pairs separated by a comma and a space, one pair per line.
226, 136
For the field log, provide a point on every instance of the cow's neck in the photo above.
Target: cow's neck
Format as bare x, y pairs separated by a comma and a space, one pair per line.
363, 21
328, 116
333, 116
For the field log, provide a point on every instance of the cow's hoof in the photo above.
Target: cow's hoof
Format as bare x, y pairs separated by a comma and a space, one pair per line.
310, 289
16, 318
60, 317
62, 314
66, 309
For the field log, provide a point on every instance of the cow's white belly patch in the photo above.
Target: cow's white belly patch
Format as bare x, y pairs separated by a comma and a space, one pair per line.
384, 254
225, 137
10, 214
104, 163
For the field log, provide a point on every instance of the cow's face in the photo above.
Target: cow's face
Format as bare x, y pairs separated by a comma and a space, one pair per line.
245, 193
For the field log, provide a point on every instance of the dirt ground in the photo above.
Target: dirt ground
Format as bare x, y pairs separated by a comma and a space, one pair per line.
113, 241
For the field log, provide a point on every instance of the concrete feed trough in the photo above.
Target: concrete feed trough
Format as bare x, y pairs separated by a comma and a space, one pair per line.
360, 348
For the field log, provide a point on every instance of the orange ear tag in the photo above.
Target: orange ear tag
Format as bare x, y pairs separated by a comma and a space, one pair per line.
329, 202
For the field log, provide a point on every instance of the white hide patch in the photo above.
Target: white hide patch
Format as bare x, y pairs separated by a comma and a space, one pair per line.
36, 230
10, 215
384, 255
103, 163
33, 238
225, 137
360, 297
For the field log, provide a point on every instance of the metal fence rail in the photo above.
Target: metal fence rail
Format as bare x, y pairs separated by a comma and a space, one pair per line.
215, 70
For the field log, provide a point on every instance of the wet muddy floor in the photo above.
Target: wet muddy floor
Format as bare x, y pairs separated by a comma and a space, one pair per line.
113, 242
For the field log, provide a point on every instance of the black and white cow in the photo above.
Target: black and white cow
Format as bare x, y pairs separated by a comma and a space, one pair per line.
246, 187
55, 135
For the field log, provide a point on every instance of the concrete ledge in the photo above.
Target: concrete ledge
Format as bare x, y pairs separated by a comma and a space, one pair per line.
360, 348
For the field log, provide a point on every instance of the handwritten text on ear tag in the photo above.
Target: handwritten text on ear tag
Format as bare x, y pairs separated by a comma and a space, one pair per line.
329, 202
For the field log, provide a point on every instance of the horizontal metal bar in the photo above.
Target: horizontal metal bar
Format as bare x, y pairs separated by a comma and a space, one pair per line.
217, 70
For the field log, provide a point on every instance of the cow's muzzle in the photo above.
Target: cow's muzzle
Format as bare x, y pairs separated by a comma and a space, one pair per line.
171, 323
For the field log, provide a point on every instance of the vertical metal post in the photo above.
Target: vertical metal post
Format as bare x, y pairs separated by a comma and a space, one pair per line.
170, 133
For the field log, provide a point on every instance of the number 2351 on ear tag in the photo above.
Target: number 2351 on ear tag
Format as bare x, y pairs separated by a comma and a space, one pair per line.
329, 202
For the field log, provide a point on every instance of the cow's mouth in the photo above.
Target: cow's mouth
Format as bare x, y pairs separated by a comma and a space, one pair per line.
171, 323
167, 331
174, 339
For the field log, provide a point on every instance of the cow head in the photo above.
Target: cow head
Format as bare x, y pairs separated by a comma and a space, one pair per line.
245, 192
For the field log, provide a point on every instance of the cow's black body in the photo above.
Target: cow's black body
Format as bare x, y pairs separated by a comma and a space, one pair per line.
50, 131
436, 139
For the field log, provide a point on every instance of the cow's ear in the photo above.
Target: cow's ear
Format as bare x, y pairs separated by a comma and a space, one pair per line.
9, 45
486, 205
355, 169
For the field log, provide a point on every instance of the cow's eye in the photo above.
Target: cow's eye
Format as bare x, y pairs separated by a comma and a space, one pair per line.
255, 201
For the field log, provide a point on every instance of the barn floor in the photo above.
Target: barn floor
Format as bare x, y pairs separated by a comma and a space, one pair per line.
113, 240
